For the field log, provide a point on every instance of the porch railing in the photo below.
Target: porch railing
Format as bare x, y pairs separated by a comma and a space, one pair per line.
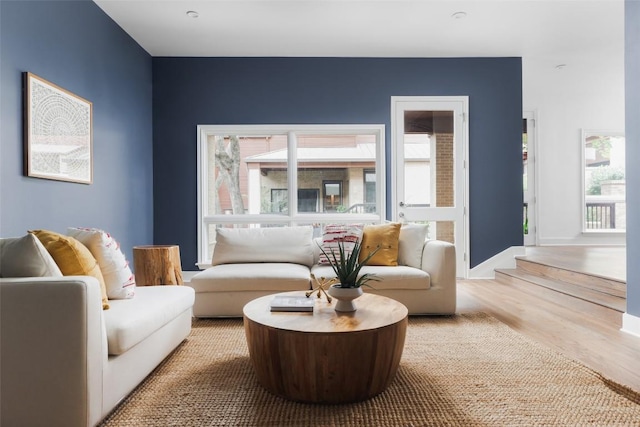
361, 208
601, 215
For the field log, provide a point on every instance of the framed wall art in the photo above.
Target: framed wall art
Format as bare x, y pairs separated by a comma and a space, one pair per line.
58, 132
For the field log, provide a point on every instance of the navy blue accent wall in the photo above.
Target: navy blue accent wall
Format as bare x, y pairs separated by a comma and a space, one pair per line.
75, 45
632, 111
192, 91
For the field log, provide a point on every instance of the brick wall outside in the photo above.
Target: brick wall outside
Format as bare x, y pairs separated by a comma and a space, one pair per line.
444, 183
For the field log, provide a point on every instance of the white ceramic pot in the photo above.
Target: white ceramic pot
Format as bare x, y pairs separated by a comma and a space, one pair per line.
344, 297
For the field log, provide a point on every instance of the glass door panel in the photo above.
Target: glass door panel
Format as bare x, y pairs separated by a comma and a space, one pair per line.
430, 178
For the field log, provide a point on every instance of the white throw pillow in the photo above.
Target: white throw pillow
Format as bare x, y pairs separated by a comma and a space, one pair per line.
334, 234
26, 257
119, 280
411, 244
277, 244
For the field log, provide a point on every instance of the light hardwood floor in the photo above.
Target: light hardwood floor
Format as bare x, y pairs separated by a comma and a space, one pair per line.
582, 331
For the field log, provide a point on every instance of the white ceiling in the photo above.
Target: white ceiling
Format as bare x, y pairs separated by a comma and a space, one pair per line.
372, 28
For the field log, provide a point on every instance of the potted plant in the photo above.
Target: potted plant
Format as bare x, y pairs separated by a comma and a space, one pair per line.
347, 267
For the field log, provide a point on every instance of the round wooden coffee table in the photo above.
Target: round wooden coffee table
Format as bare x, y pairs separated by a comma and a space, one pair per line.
325, 356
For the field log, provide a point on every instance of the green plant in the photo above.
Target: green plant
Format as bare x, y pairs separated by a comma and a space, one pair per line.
347, 266
600, 174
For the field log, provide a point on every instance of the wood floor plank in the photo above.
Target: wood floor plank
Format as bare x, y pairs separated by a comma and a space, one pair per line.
579, 332
604, 261
612, 315
578, 278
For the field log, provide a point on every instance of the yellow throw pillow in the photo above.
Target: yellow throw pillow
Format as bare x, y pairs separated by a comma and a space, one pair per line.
386, 236
72, 257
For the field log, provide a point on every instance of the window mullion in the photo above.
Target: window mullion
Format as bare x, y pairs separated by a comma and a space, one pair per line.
292, 176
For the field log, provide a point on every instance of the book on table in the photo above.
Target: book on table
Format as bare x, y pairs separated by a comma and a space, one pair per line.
292, 303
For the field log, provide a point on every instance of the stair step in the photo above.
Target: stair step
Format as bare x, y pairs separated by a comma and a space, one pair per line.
586, 293
587, 281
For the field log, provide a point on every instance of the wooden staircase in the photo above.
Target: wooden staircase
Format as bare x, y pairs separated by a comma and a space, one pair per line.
548, 275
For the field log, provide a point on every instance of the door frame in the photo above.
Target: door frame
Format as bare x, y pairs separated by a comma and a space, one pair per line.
532, 171
462, 185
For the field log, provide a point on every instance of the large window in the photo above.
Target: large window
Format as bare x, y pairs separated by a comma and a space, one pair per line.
272, 175
604, 207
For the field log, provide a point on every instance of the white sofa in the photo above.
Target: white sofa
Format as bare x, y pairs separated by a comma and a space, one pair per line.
250, 263
67, 362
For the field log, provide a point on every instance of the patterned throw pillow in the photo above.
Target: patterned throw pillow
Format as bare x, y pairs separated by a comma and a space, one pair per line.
347, 234
72, 257
118, 278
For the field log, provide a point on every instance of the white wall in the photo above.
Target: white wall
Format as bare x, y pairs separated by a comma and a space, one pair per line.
587, 94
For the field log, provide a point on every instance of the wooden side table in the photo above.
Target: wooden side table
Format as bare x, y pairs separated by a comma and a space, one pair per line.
157, 265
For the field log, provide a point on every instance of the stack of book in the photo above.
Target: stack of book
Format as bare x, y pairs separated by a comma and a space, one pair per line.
292, 303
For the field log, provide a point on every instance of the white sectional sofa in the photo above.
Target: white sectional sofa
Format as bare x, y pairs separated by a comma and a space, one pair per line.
252, 262
67, 362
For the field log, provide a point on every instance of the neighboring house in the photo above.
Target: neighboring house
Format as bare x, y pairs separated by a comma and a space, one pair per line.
335, 174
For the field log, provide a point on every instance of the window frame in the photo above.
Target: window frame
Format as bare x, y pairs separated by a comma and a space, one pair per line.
325, 183
293, 217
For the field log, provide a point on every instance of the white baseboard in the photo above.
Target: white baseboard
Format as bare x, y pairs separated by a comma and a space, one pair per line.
631, 324
505, 259
585, 239
187, 275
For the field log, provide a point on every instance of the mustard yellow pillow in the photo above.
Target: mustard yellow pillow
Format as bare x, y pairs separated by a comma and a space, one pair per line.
72, 257
386, 236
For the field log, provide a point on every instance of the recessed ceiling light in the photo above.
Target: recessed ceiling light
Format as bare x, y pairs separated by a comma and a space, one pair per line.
561, 66
459, 15
192, 14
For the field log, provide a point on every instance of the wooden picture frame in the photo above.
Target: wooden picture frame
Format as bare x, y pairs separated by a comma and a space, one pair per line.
58, 132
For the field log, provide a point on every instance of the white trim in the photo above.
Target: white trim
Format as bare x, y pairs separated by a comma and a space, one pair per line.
293, 217
459, 105
187, 276
504, 259
465, 164
202, 185
532, 153
292, 178
612, 239
631, 324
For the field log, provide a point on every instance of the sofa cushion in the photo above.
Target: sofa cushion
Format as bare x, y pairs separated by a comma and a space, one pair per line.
26, 256
385, 237
334, 234
411, 244
118, 277
72, 257
277, 277
399, 277
130, 321
254, 245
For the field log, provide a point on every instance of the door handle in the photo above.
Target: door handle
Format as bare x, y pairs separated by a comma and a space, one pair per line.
402, 204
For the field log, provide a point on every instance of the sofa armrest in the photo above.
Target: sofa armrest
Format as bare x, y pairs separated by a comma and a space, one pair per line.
439, 260
52, 351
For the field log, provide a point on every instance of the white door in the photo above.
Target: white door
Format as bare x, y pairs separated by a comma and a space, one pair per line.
429, 140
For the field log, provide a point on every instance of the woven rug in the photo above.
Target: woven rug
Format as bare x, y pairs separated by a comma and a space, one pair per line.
463, 370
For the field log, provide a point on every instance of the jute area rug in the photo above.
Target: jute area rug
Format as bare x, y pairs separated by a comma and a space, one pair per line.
463, 370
